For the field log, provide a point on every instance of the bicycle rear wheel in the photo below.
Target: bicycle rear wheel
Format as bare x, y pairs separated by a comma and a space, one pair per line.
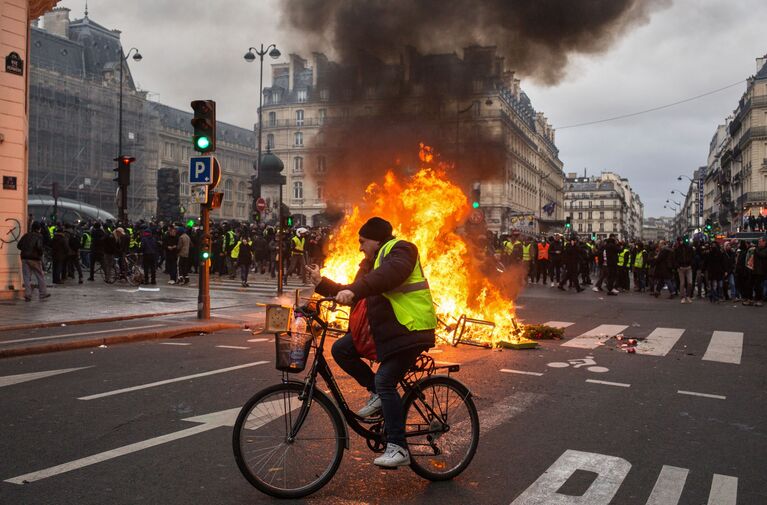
281, 467
441, 427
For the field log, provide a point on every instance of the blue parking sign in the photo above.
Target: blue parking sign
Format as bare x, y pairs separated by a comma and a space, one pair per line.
200, 169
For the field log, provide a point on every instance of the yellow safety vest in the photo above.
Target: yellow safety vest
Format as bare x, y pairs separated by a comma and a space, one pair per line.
411, 301
622, 257
639, 259
236, 251
86, 241
299, 245
526, 252
508, 247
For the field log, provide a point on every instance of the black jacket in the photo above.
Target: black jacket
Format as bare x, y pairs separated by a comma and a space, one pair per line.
611, 253
389, 335
31, 246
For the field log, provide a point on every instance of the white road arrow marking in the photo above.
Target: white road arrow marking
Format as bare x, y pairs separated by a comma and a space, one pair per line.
9, 380
209, 422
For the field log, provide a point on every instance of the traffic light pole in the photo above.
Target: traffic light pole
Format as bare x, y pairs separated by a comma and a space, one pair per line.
203, 293
279, 250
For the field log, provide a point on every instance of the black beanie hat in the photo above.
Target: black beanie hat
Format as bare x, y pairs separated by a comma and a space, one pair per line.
376, 229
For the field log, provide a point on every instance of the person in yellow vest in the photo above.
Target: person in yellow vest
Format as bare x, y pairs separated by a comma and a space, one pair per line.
297, 263
528, 259
624, 265
242, 256
400, 311
640, 266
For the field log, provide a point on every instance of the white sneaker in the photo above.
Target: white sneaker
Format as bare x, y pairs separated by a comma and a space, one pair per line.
595, 289
615, 291
393, 457
171, 282
552, 285
373, 406
684, 300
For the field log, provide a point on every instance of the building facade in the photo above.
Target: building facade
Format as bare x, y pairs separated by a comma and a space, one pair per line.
325, 121
74, 126
735, 182
600, 205
658, 228
15, 16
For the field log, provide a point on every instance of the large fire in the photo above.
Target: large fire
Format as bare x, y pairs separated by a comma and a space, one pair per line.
426, 209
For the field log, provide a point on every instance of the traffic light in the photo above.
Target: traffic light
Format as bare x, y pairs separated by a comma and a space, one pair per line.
204, 123
568, 224
476, 193
286, 221
205, 248
191, 223
123, 170
708, 225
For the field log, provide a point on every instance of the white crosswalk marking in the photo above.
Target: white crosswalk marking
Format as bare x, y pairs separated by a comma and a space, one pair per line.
659, 342
559, 324
668, 488
724, 490
725, 347
593, 338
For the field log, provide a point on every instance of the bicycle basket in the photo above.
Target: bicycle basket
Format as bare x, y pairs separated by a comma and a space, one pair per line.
292, 351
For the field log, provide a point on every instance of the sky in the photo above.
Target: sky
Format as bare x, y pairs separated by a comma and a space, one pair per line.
194, 49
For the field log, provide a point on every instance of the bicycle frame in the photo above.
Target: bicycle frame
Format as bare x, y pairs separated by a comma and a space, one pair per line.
320, 367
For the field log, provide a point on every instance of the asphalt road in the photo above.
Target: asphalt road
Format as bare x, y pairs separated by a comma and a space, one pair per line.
682, 421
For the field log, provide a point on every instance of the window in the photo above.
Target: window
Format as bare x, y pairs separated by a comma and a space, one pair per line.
299, 139
270, 141
298, 164
272, 119
228, 190
277, 97
590, 227
601, 227
301, 95
168, 150
324, 95
320, 191
184, 186
321, 164
323, 114
242, 191
299, 118
601, 215
580, 215
580, 226
298, 190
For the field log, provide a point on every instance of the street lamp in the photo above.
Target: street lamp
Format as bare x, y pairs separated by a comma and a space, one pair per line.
671, 207
686, 177
123, 213
674, 192
678, 204
250, 57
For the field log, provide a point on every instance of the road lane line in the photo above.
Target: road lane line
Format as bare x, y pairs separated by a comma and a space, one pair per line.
232, 347
593, 338
725, 347
608, 383
521, 372
82, 334
558, 324
704, 395
258, 340
10, 380
659, 342
668, 488
210, 421
169, 381
724, 490
175, 343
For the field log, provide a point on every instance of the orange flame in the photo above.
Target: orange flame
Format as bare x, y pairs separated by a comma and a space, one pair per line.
426, 209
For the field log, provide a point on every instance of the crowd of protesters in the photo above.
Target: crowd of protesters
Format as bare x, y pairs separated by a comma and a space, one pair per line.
730, 270
236, 250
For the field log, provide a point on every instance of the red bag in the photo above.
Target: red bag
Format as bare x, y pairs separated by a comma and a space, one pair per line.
360, 329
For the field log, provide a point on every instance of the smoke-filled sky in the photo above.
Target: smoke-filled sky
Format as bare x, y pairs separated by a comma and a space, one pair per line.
577, 65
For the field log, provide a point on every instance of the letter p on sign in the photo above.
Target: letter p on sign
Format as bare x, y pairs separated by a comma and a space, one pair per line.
610, 472
199, 169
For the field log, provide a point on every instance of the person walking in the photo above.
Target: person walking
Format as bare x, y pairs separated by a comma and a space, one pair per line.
30, 246
664, 263
683, 258
59, 255
759, 271
149, 250
572, 259
298, 255
73, 260
542, 267
97, 249
715, 269
170, 246
242, 254
184, 247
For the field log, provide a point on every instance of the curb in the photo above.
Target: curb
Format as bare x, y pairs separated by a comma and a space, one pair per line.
117, 339
111, 319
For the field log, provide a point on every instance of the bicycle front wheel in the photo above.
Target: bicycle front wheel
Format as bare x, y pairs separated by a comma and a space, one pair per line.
270, 460
441, 427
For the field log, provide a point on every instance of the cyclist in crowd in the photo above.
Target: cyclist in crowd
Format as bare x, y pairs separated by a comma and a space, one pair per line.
402, 321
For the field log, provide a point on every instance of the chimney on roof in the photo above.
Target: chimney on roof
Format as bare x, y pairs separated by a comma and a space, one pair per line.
760, 63
56, 22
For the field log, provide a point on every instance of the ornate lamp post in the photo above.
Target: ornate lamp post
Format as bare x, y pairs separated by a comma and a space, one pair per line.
123, 204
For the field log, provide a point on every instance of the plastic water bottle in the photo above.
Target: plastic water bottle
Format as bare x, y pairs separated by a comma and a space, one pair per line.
298, 333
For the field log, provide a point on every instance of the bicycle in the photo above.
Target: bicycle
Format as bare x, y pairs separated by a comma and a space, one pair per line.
289, 438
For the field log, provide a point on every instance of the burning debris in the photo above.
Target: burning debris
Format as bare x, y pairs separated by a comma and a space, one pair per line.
427, 209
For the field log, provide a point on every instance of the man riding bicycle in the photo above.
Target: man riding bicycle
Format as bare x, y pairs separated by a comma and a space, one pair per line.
402, 321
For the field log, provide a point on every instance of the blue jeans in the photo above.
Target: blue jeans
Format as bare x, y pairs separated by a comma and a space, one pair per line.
715, 290
383, 382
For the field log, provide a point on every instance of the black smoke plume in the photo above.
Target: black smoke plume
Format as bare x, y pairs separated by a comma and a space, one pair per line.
536, 36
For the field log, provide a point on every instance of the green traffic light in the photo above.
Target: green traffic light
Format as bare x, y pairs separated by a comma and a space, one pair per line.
202, 142
475, 205
190, 223
205, 255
